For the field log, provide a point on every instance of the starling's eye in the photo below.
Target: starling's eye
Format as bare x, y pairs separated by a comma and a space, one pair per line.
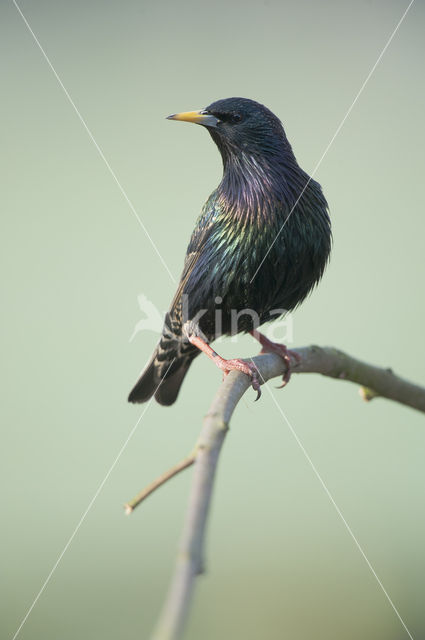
228, 118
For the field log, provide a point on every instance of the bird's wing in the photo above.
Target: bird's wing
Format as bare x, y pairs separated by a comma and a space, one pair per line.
190, 261
196, 246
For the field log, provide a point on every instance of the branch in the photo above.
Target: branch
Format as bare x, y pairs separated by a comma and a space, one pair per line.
375, 381
325, 360
162, 479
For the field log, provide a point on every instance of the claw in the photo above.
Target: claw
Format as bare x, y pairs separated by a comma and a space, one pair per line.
284, 383
287, 375
256, 384
281, 350
246, 367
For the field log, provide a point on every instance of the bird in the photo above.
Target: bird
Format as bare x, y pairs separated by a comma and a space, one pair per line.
259, 247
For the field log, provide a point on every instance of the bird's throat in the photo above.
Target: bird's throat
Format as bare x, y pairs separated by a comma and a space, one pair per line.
252, 188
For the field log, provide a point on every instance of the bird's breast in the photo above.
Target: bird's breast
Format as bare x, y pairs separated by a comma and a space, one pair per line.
261, 256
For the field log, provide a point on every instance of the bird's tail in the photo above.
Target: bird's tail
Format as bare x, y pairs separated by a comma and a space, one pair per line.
165, 372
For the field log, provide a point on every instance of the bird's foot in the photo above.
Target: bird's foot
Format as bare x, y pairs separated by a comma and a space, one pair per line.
268, 346
229, 365
240, 365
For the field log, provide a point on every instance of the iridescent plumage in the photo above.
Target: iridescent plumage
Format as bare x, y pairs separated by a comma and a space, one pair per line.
257, 244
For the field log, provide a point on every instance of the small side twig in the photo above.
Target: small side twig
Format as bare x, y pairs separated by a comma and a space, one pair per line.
167, 475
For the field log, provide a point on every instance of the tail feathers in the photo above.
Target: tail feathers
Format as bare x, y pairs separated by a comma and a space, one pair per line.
162, 379
169, 389
145, 386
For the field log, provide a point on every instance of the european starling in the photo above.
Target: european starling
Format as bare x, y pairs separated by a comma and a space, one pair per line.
260, 245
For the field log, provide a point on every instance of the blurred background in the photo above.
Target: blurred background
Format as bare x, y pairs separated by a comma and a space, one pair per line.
74, 259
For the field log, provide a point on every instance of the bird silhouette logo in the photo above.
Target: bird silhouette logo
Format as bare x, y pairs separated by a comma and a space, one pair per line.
153, 320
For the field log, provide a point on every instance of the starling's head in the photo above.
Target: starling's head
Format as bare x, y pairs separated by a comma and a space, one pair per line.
240, 125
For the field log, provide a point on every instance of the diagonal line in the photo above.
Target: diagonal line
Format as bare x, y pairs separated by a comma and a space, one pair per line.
89, 506
338, 129
337, 509
92, 138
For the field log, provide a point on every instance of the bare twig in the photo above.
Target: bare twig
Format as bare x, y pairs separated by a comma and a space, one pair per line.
167, 475
325, 360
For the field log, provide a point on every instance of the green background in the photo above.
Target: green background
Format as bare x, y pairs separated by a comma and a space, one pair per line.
280, 563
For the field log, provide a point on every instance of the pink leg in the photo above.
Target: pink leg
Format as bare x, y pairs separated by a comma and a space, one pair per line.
229, 365
280, 349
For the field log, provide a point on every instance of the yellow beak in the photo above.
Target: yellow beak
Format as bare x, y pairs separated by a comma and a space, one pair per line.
198, 117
